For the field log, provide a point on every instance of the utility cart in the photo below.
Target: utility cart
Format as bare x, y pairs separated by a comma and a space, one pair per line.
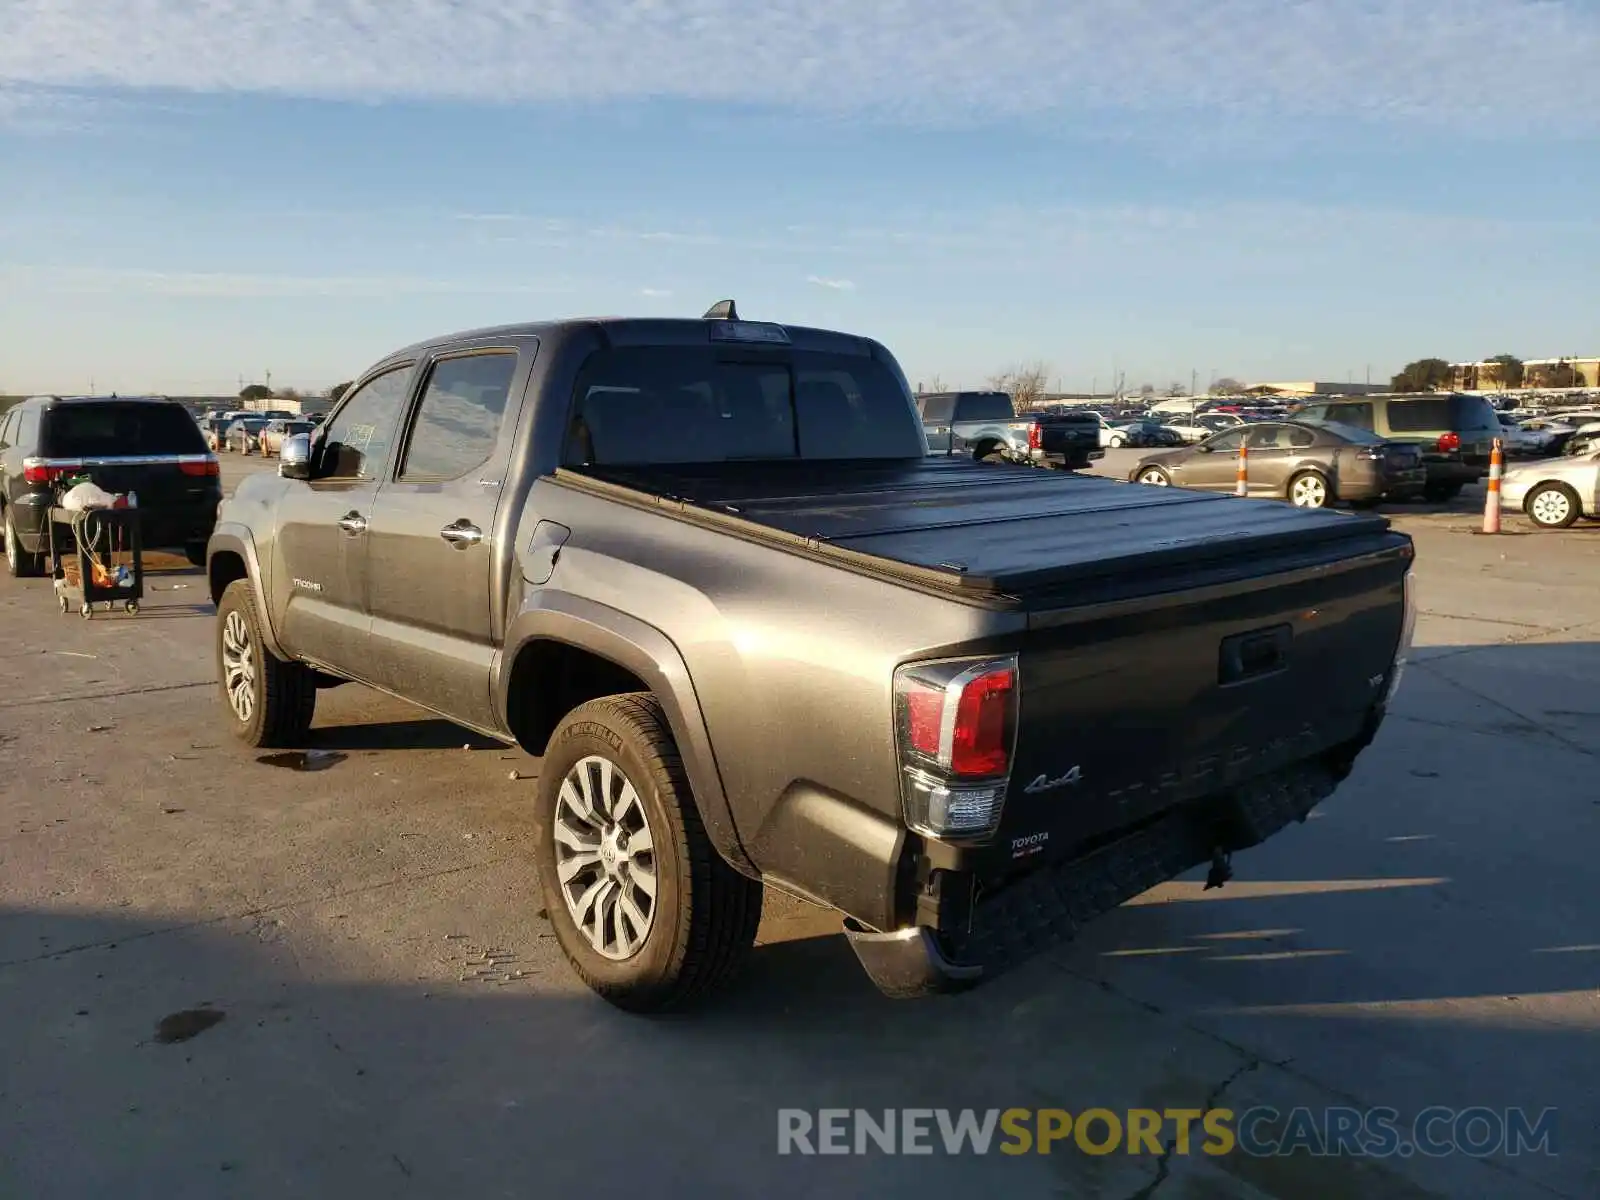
96, 557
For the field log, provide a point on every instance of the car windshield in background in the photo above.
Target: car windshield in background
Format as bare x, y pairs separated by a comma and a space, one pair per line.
641, 405
112, 429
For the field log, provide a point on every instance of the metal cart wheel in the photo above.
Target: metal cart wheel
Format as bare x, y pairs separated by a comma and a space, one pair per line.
131, 606
65, 607
86, 612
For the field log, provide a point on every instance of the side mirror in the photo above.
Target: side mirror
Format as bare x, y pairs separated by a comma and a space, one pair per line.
294, 458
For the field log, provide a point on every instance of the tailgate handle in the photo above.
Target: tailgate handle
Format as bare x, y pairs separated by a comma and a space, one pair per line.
1256, 654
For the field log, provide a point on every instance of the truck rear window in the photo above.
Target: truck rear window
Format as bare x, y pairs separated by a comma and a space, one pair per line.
641, 405
985, 406
117, 430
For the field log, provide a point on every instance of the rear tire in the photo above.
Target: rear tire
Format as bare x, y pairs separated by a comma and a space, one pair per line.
1309, 489
1155, 477
1553, 506
21, 563
195, 552
1441, 493
614, 759
269, 702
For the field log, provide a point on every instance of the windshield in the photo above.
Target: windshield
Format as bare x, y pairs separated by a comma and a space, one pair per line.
116, 429
641, 405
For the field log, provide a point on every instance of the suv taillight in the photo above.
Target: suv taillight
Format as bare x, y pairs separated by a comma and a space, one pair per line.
1035, 437
1449, 443
42, 470
955, 729
199, 464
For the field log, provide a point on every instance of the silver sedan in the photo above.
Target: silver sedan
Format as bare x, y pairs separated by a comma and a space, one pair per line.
1554, 492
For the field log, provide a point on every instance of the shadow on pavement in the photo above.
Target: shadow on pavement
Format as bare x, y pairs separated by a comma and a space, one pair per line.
421, 734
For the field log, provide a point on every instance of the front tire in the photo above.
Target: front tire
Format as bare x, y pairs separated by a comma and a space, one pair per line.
20, 562
1554, 506
1155, 477
269, 702
645, 909
1441, 493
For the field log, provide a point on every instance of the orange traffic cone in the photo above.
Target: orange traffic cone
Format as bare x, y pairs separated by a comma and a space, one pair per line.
1242, 486
1491, 499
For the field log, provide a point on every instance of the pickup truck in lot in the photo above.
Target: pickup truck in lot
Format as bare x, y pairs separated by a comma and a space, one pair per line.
986, 426
706, 569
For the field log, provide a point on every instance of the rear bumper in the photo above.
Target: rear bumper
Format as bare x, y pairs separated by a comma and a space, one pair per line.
964, 938
175, 527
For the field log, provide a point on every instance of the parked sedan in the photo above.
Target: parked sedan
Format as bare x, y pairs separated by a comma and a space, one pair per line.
270, 440
1142, 433
1308, 465
1555, 492
241, 435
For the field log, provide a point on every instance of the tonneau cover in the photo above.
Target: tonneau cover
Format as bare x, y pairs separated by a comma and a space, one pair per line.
992, 529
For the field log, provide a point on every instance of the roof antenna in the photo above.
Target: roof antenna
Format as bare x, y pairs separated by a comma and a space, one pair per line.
722, 310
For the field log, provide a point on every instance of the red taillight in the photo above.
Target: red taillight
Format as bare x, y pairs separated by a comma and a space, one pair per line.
981, 743
1449, 443
39, 470
200, 465
958, 716
955, 725
924, 710
1035, 436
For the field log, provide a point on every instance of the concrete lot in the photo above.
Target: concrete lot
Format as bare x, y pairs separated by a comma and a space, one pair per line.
1431, 937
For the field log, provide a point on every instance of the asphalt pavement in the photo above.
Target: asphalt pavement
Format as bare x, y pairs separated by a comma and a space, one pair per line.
396, 1020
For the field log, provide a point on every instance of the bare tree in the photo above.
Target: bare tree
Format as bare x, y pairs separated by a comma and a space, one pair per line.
1227, 386
1175, 390
934, 387
1027, 385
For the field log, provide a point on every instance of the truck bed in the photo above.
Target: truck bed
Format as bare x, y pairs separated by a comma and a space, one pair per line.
1000, 533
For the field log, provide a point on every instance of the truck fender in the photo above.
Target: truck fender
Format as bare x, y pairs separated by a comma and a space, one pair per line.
549, 615
230, 555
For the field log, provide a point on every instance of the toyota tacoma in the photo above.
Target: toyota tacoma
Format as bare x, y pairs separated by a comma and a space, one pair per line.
708, 572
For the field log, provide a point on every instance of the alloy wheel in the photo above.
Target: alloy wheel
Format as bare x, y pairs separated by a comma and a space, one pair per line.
1153, 478
238, 665
1551, 507
1310, 491
605, 857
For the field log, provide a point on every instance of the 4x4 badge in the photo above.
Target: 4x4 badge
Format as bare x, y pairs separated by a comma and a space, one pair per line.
1045, 784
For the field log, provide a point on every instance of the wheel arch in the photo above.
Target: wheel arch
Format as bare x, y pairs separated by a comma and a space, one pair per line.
568, 651
230, 557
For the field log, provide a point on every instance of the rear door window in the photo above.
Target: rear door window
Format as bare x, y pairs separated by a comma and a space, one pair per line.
643, 405
1424, 415
985, 406
119, 430
938, 409
458, 421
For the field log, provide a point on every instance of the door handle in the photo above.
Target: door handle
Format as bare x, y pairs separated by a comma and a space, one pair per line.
461, 535
353, 522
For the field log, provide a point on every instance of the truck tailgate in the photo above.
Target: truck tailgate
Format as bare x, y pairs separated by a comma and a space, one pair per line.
1124, 715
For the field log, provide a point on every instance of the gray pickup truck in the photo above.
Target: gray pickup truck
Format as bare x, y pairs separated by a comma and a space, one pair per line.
986, 426
706, 569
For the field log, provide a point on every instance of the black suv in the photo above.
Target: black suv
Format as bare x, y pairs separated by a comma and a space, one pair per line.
150, 447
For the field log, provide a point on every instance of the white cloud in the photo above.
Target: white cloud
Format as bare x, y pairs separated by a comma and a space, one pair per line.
1475, 64
237, 286
837, 285
655, 293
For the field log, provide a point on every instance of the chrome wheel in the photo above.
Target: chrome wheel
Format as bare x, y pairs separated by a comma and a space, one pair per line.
238, 665
1154, 478
1551, 506
605, 857
1309, 491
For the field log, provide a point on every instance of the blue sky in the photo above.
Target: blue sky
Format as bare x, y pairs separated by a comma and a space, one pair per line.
192, 191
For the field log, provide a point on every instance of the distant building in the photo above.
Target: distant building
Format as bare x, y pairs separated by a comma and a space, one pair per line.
1312, 387
1537, 373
